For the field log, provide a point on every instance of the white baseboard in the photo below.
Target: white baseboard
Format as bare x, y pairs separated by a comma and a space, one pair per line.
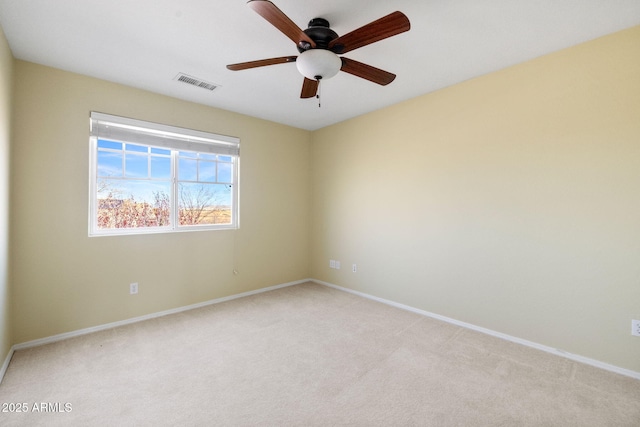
67, 335
555, 351
5, 365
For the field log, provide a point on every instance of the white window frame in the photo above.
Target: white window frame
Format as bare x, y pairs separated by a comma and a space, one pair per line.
139, 132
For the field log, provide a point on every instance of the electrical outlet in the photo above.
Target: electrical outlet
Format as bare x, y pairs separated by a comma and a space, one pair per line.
635, 328
133, 288
354, 268
332, 263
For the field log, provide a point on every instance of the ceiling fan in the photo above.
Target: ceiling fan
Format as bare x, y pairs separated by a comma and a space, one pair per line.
319, 47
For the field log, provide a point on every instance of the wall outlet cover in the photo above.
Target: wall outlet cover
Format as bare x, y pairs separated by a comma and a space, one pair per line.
635, 328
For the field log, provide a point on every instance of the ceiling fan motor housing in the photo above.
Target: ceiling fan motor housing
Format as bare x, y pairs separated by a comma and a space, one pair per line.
320, 33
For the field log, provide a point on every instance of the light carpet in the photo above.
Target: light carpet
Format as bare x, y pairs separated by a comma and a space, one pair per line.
307, 355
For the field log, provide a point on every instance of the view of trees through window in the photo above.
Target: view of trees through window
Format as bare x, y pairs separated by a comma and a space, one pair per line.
141, 186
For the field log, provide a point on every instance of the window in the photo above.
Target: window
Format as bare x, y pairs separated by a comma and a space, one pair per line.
150, 178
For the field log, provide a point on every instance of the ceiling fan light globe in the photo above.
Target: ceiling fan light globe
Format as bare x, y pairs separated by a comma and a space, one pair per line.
318, 64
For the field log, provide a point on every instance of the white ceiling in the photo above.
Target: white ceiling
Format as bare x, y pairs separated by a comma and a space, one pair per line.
146, 43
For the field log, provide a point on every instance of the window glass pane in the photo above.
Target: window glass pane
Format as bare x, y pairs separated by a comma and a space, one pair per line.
136, 166
138, 148
207, 171
201, 204
160, 151
109, 163
187, 170
152, 185
133, 204
103, 143
160, 167
225, 172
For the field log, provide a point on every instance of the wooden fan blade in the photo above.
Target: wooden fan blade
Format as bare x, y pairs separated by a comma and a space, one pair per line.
278, 19
387, 26
261, 63
367, 72
309, 88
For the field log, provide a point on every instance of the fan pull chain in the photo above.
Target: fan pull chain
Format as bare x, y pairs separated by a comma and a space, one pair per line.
319, 90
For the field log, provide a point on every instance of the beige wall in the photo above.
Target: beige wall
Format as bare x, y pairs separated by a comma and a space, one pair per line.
511, 201
64, 280
6, 71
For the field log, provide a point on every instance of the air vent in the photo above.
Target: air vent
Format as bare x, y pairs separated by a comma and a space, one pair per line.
193, 81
